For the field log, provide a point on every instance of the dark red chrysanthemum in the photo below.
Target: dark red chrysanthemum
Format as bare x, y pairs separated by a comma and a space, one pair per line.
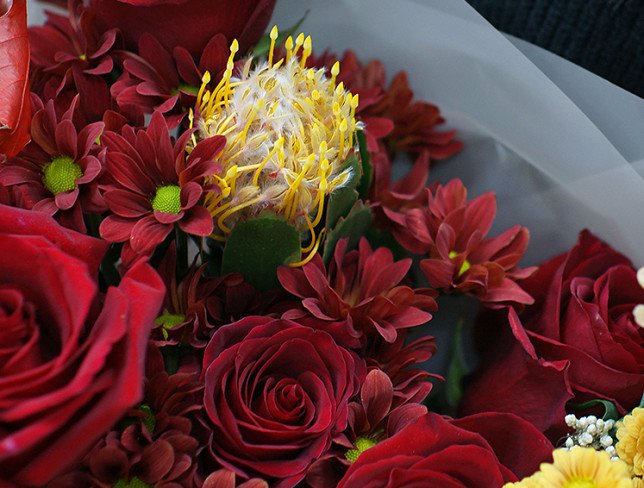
69, 57
154, 186
452, 232
373, 417
224, 478
184, 318
156, 79
71, 40
360, 289
391, 200
155, 445
57, 171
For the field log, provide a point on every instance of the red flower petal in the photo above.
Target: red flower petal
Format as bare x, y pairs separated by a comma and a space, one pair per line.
14, 69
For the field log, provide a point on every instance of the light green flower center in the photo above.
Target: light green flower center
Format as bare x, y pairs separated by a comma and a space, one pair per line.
132, 483
150, 420
167, 199
61, 174
168, 321
362, 444
464, 267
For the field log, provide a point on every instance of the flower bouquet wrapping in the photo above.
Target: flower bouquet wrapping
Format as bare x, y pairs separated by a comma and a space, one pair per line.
232, 230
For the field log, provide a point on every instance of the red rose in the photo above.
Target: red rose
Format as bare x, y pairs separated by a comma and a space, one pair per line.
186, 23
578, 342
71, 364
276, 395
479, 451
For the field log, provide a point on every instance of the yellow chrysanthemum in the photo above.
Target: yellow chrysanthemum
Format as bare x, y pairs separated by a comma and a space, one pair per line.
579, 467
630, 440
289, 129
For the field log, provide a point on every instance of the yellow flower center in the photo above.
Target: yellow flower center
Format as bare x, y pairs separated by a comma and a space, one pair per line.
362, 444
167, 199
61, 174
288, 130
580, 483
464, 267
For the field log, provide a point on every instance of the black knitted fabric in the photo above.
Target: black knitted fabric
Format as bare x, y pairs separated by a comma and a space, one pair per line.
603, 36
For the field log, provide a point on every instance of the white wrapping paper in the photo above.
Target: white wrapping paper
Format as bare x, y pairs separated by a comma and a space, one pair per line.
552, 168
544, 149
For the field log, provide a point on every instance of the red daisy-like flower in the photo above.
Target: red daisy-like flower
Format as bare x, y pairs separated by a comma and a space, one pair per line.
71, 40
452, 232
155, 79
155, 445
391, 200
57, 171
373, 417
154, 186
361, 290
69, 57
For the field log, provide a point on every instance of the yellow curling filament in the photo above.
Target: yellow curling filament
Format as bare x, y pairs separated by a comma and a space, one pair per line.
288, 128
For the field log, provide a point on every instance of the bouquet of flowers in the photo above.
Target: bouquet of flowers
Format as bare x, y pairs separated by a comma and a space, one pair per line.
222, 255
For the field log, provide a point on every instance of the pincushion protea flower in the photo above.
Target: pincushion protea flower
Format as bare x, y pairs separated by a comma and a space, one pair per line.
288, 128
154, 186
360, 289
57, 171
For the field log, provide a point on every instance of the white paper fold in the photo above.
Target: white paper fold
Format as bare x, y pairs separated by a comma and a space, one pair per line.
552, 168
552, 165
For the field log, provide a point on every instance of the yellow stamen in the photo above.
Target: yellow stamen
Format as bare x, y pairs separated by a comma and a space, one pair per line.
311, 254
273, 35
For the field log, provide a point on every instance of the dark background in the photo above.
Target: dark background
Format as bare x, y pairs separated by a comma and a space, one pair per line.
603, 36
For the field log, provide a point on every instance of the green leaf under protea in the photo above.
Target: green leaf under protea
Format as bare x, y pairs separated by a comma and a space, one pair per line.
257, 246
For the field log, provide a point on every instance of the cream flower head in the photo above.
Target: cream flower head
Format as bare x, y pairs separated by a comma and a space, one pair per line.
289, 129
579, 467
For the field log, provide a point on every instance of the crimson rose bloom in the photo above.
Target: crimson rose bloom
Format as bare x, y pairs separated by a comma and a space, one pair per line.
71, 362
476, 452
276, 395
579, 341
186, 23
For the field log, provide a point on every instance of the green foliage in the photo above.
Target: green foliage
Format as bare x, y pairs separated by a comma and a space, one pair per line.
457, 368
354, 226
342, 200
367, 167
610, 410
257, 246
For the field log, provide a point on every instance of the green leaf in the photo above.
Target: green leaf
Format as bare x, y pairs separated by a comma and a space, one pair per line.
264, 44
610, 410
340, 203
354, 226
258, 246
367, 167
342, 200
457, 367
